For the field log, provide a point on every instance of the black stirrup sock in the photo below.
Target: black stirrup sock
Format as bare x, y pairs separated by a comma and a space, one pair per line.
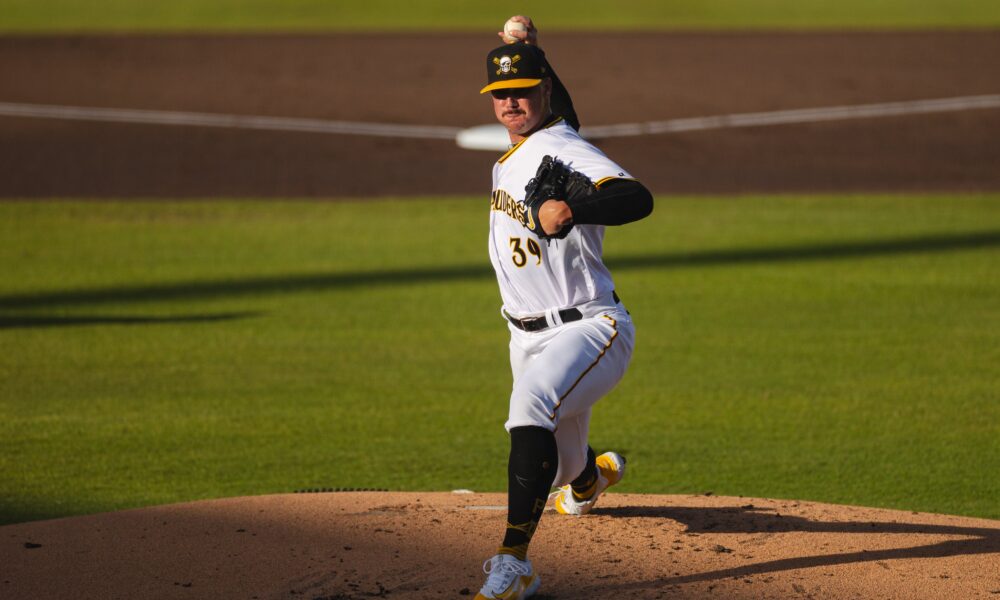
531, 470
584, 485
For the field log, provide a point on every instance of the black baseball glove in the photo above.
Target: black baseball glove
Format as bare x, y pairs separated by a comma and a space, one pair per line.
553, 180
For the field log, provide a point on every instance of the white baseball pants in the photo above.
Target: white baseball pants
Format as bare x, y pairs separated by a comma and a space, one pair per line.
562, 371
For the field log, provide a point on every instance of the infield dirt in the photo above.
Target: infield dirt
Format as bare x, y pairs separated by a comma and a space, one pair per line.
430, 545
410, 79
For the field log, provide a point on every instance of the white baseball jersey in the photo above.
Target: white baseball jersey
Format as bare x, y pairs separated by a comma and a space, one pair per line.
537, 275
561, 371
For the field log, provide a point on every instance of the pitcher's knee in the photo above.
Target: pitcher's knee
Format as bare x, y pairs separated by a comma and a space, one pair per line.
531, 410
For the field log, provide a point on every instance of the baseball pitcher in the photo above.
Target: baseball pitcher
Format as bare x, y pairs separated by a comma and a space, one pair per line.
571, 337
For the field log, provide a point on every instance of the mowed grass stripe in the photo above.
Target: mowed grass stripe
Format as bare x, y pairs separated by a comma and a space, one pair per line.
840, 349
446, 15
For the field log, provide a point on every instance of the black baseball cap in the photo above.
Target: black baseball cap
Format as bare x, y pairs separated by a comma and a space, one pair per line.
517, 65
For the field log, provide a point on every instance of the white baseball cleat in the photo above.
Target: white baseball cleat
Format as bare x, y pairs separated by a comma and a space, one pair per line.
610, 470
510, 578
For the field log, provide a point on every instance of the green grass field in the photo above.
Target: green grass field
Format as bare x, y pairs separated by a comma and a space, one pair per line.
340, 15
840, 349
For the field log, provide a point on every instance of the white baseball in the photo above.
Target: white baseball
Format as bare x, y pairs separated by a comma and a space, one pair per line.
510, 26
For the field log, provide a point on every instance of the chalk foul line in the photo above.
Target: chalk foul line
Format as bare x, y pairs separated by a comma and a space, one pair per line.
801, 115
197, 119
434, 132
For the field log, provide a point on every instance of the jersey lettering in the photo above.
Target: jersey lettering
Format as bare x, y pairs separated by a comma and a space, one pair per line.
503, 202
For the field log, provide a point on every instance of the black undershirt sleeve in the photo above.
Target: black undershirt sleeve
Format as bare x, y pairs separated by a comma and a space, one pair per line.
616, 202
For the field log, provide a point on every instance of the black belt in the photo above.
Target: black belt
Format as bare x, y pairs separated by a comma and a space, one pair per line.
567, 315
539, 323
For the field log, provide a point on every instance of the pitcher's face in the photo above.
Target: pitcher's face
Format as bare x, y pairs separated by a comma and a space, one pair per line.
521, 110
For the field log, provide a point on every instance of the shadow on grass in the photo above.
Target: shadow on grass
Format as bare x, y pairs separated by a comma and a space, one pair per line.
35, 321
40, 511
336, 281
748, 519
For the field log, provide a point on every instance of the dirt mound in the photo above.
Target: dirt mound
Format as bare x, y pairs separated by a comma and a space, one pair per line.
430, 545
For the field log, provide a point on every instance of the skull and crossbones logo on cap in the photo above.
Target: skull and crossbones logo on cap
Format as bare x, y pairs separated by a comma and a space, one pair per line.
506, 64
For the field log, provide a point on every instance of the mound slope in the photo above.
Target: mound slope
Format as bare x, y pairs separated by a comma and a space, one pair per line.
430, 545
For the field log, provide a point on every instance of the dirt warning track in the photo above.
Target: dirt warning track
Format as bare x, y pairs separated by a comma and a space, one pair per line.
429, 545
411, 80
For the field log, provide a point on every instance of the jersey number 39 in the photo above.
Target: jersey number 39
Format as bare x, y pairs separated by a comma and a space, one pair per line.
519, 257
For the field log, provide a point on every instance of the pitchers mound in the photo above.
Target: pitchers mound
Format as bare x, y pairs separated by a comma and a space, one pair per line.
431, 545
